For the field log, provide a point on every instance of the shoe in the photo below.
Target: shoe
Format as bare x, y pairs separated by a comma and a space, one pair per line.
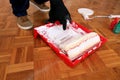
42, 7
24, 23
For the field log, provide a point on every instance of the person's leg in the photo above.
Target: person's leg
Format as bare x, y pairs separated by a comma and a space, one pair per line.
19, 8
40, 4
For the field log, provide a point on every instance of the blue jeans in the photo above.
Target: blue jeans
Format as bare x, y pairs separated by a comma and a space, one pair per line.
20, 7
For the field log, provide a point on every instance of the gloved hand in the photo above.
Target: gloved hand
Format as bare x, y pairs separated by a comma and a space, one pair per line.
59, 12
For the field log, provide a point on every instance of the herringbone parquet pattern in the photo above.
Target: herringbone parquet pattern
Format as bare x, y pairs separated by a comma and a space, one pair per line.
24, 58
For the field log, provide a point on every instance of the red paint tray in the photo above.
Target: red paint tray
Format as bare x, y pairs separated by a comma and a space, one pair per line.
57, 50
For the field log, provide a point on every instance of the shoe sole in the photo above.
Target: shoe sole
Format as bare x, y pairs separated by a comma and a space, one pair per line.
43, 10
25, 28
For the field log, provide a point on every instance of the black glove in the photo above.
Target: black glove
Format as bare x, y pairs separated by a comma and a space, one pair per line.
59, 13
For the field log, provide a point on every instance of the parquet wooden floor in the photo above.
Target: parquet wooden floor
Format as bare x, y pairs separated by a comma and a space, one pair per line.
24, 58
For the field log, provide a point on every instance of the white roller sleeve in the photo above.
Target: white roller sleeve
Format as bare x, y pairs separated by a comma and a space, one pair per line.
78, 47
77, 40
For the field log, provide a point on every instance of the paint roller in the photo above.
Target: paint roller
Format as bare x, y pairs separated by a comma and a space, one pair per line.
85, 12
